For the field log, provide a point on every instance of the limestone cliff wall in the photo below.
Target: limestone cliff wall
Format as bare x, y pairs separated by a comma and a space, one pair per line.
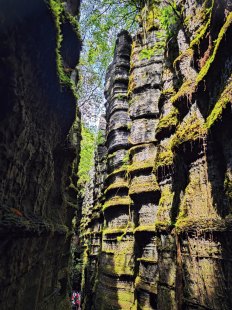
39, 48
165, 236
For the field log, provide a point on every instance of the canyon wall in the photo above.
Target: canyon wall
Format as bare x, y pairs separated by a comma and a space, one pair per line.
157, 233
39, 142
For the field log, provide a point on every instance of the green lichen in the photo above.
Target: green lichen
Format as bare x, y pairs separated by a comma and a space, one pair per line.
220, 106
168, 121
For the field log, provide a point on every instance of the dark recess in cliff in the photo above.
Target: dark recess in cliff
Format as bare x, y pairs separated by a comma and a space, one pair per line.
36, 152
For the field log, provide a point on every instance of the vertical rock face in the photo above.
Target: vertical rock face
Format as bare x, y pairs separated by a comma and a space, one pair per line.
166, 201
36, 113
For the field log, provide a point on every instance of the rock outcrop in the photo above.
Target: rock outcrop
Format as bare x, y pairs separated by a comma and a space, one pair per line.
165, 208
40, 47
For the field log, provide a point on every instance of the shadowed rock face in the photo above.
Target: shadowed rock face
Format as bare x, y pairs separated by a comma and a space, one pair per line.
36, 114
166, 201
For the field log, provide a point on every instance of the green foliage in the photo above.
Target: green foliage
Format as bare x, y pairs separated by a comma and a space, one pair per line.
166, 19
100, 22
86, 157
147, 53
170, 18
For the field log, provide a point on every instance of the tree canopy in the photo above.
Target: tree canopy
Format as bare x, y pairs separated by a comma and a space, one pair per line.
100, 22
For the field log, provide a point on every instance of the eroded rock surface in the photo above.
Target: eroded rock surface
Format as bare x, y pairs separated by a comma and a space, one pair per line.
37, 149
166, 200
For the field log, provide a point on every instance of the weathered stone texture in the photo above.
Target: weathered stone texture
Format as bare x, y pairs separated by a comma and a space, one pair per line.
167, 194
37, 151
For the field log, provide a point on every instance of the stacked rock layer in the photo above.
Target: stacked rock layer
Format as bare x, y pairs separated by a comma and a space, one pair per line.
166, 201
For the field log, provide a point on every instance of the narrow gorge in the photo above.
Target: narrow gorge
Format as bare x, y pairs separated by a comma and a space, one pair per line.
151, 228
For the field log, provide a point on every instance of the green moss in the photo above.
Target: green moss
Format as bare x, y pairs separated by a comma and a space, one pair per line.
117, 201
221, 35
188, 53
116, 185
200, 34
60, 14
189, 130
149, 17
169, 120
144, 228
168, 91
183, 217
149, 287
131, 84
163, 217
186, 89
223, 101
121, 262
141, 165
140, 187
156, 50
115, 299
165, 157
108, 251
122, 169
190, 86
135, 148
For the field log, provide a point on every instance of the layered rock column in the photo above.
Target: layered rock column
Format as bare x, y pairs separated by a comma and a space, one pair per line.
167, 197
115, 288
144, 91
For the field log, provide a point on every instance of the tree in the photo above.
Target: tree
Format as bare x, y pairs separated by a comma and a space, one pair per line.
100, 22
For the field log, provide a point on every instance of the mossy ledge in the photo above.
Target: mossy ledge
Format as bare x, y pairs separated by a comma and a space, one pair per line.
142, 188
117, 201
190, 86
60, 14
224, 99
191, 129
168, 121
